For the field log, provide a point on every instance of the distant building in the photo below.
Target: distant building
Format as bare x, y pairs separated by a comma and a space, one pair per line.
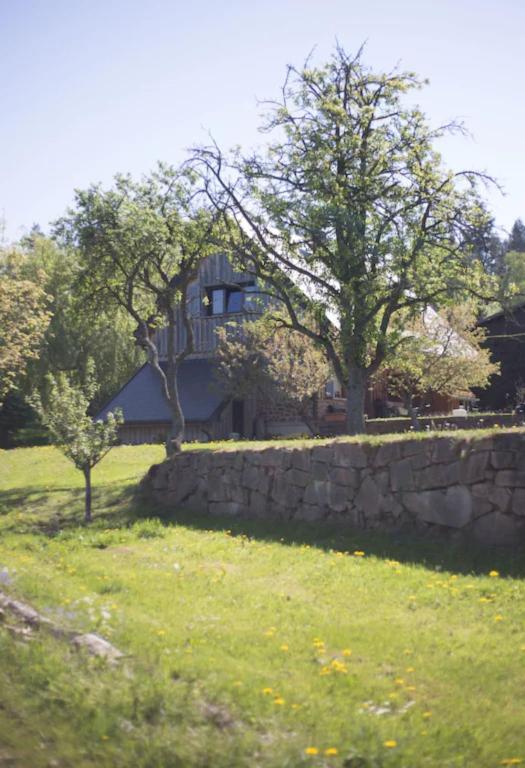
220, 295
506, 340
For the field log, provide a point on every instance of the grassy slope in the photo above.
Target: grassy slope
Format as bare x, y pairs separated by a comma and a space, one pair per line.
237, 634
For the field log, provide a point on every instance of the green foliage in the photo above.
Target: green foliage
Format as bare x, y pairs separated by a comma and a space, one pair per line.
440, 353
79, 331
515, 277
82, 439
140, 245
262, 358
24, 317
352, 205
516, 241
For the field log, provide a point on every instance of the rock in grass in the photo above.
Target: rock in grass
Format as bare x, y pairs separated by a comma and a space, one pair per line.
97, 646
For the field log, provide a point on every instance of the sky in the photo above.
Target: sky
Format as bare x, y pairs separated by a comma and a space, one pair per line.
91, 88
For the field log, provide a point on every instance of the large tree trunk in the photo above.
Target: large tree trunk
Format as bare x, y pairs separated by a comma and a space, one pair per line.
87, 507
355, 400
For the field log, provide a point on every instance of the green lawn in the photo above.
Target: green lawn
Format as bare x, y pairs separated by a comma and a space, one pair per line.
248, 644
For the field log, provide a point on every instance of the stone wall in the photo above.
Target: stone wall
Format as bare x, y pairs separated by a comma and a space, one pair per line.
474, 485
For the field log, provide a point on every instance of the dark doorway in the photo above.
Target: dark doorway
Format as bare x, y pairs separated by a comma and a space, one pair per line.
238, 417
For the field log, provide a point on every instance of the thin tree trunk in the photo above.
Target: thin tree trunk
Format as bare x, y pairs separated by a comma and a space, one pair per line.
409, 404
355, 401
175, 434
87, 508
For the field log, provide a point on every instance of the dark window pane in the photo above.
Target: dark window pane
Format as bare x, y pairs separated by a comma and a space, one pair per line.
234, 300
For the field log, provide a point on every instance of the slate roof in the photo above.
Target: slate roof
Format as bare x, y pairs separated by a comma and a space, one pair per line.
141, 398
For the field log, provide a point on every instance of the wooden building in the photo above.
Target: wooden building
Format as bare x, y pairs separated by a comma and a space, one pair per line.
220, 295
506, 341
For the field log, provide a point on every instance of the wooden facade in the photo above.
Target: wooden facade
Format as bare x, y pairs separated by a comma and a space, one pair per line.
506, 341
219, 296
215, 272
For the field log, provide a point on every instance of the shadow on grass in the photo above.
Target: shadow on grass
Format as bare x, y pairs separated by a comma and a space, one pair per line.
33, 509
408, 547
47, 512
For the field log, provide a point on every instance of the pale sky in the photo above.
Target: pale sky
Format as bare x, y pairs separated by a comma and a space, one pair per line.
89, 88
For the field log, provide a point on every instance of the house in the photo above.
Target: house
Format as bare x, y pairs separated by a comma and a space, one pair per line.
506, 340
220, 295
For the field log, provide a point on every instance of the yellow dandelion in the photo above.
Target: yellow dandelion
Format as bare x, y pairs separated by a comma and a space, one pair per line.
267, 691
511, 761
494, 574
279, 701
347, 651
325, 671
410, 669
399, 681
359, 553
284, 647
311, 751
410, 688
426, 715
331, 752
498, 617
161, 632
390, 743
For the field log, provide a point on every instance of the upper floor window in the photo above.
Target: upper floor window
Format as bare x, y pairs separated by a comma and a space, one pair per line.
227, 300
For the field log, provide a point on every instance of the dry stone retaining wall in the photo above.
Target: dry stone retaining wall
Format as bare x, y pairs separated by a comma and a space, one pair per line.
474, 485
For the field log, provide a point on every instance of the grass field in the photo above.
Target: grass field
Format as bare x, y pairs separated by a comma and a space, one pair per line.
248, 644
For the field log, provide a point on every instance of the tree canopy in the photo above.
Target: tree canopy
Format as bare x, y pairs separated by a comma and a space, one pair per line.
259, 358
84, 440
140, 244
24, 317
80, 333
349, 209
439, 353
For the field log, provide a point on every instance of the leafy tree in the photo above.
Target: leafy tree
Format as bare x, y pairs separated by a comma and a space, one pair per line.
79, 331
82, 439
351, 210
514, 278
140, 245
516, 241
261, 358
485, 244
439, 353
24, 317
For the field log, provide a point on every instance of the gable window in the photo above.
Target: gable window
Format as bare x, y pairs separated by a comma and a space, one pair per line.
234, 300
228, 300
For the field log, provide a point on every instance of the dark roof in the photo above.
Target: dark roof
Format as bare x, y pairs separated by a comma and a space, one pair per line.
509, 311
142, 399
